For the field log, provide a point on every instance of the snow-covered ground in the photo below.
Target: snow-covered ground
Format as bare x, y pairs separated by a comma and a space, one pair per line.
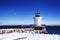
28, 36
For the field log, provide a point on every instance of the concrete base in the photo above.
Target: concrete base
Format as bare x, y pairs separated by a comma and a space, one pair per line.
41, 29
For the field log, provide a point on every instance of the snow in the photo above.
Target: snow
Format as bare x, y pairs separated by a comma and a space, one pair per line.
29, 36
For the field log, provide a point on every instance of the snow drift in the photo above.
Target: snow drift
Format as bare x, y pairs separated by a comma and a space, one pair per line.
28, 36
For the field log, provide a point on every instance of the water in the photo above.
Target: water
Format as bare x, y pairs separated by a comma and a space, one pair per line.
53, 29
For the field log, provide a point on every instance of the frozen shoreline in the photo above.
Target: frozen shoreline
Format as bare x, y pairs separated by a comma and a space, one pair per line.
28, 36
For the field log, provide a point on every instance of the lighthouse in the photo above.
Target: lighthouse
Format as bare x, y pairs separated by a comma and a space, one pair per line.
38, 27
37, 19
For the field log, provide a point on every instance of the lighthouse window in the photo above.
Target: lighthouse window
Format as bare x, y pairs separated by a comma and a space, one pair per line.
37, 15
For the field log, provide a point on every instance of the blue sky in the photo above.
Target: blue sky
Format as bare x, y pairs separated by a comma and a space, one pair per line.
22, 11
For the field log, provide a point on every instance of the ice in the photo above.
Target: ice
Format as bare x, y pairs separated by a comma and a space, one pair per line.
28, 36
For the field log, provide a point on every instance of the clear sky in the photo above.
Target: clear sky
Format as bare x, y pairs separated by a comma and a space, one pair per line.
22, 11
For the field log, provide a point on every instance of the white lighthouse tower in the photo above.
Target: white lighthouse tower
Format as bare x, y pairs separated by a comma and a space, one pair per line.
39, 28
37, 19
